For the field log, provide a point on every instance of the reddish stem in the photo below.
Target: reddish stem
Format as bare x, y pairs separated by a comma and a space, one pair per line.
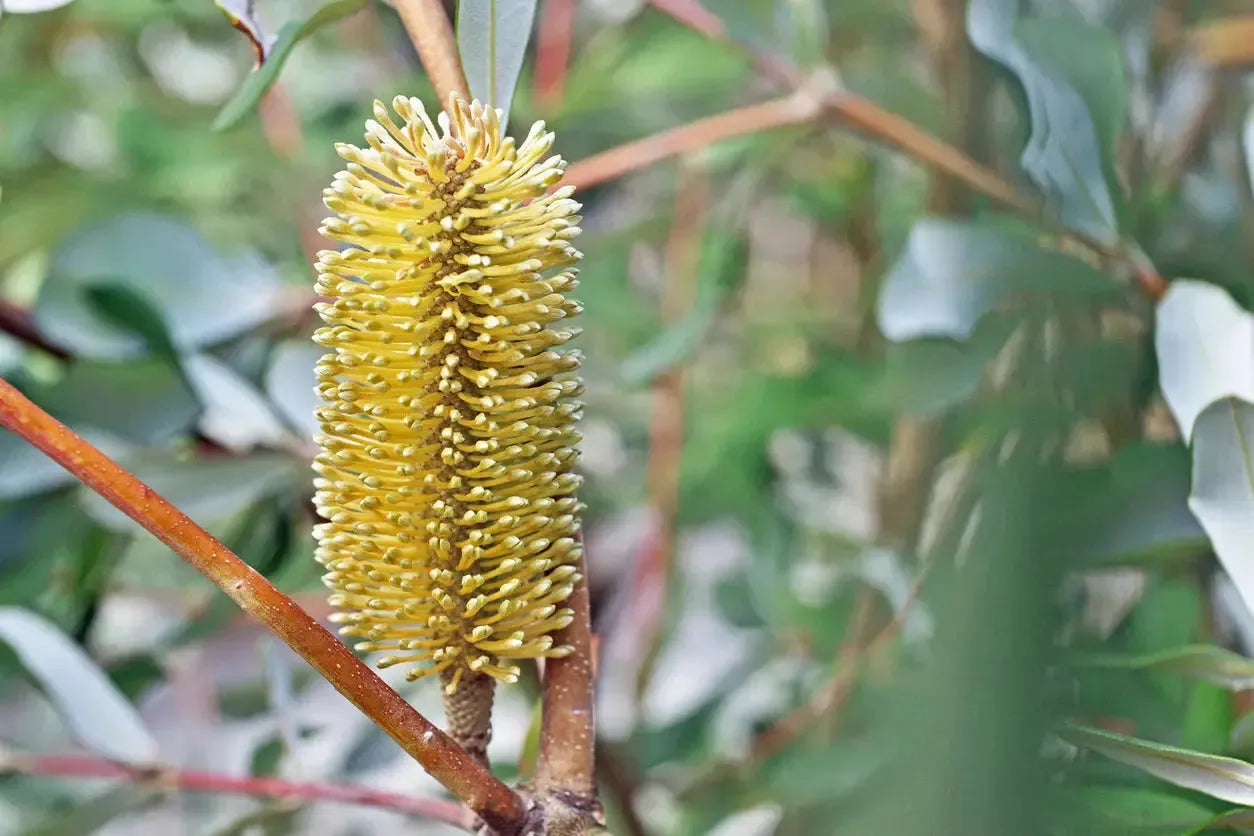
553, 39
83, 766
436, 751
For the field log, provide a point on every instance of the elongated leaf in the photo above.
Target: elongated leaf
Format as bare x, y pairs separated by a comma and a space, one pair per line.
30, 6
953, 272
94, 710
1205, 346
722, 260
1132, 810
235, 414
492, 39
1225, 778
1064, 154
267, 72
1207, 662
1223, 487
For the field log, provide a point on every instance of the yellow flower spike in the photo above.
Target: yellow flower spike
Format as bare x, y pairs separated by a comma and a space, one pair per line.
448, 407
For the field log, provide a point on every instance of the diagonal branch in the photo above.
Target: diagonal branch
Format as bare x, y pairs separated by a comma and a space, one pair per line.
86, 766
447, 762
607, 165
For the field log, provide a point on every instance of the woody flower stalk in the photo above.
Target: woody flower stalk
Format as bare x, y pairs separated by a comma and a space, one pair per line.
448, 403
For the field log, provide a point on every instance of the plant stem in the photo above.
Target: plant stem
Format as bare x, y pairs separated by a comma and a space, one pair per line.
566, 767
447, 762
86, 766
432, 34
19, 324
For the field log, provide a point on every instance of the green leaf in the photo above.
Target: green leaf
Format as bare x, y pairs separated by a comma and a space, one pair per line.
1132, 810
130, 310
492, 38
292, 33
1201, 661
1064, 155
202, 296
1205, 347
25, 470
1223, 487
141, 401
290, 381
207, 490
235, 414
953, 272
722, 262
1224, 778
93, 709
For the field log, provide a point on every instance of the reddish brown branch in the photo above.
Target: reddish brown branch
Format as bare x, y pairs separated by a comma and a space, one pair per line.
553, 40
647, 606
432, 34
84, 766
642, 153
565, 779
436, 751
17, 322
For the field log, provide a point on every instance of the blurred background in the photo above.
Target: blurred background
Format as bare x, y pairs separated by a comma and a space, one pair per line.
881, 487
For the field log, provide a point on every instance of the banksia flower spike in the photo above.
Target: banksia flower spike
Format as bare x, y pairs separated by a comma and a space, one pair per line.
448, 411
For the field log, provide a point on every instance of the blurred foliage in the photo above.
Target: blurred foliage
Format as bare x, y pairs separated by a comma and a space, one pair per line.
929, 509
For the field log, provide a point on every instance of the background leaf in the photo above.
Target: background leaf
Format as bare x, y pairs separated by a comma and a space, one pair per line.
267, 72
492, 37
1225, 778
1205, 346
953, 272
96, 713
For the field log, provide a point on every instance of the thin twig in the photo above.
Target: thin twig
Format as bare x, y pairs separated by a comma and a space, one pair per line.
852, 110
826, 703
565, 778
432, 34
18, 323
553, 40
439, 755
647, 605
86, 766
632, 156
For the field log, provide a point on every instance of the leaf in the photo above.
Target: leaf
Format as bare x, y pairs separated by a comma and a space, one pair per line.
722, 262
93, 709
207, 490
1228, 779
272, 58
953, 272
235, 414
202, 296
290, 384
131, 311
25, 470
1205, 347
142, 401
1223, 487
492, 38
1132, 810
1064, 154
1202, 661
31, 6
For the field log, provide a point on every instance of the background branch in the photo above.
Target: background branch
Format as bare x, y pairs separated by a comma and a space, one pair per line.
86, 766
439, 755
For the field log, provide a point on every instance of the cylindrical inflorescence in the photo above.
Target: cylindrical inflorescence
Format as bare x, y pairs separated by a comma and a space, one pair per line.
448, 407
